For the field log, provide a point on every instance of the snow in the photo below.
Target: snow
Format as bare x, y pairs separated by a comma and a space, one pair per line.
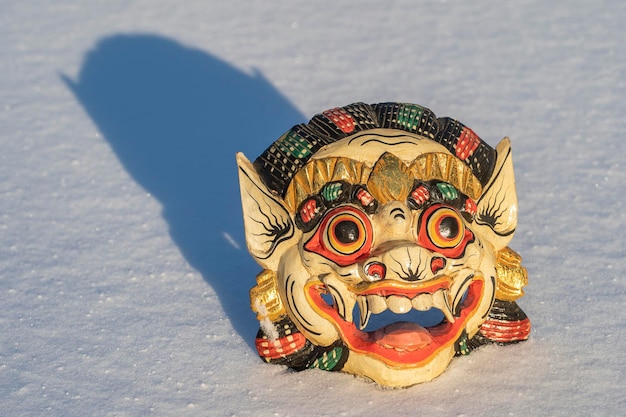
123, 269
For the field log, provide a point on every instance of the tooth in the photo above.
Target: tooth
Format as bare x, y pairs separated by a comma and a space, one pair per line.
459, 292
422, 302
343, 303
376, 304
398, 304
440, 300
364, 311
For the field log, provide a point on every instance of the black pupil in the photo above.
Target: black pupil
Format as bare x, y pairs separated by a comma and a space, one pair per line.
347, 231
449, 228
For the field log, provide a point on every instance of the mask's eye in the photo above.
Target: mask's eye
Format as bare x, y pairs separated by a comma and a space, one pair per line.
344, 236
441, 229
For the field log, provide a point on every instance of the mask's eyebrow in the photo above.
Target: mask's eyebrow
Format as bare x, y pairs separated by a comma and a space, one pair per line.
335, 193
427, 193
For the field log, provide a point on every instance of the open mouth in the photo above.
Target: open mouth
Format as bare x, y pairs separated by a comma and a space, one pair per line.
400, 324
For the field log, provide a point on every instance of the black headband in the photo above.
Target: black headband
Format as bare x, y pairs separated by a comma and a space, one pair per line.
279, 163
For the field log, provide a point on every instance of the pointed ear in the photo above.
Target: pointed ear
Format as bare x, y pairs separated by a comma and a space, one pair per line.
497, 206
269, 227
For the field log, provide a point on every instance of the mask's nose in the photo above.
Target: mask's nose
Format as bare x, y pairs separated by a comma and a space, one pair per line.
404, 261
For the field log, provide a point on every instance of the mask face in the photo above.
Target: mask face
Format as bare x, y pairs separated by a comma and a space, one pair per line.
382, 233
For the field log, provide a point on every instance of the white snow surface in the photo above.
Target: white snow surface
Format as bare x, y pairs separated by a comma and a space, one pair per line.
124, 276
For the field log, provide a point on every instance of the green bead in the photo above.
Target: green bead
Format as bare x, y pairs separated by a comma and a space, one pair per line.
409, 116
448, 190
332, 191
328, 360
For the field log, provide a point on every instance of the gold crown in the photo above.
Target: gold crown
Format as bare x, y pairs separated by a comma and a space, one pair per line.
388, 179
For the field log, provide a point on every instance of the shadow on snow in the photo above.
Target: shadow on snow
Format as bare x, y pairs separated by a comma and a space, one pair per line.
175, 117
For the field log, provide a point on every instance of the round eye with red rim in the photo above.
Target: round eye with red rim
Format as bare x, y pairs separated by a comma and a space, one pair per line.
441, 229
344, 236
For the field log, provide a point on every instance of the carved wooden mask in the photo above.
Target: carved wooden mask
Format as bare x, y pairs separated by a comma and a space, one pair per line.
382, 232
